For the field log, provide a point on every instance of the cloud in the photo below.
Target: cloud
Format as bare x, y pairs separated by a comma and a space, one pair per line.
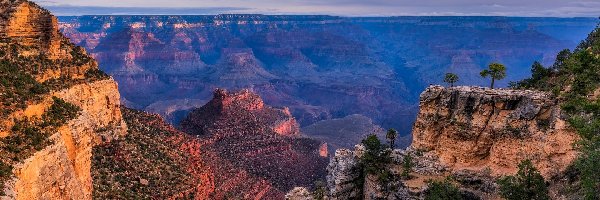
554, 8
67, 10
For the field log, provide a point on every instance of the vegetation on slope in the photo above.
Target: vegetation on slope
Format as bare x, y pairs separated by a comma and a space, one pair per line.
527, 184
575, 79
442, 190
18, 85
17, 88
146, 164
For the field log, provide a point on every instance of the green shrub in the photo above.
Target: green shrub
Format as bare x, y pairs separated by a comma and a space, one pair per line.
59, 113
320, 191
588, 164
5, 170
527, 184
95, 74
442, 190
17, 87
407, 165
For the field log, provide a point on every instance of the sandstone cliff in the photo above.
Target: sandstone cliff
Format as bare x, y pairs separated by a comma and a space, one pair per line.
45, 71
478, 128
471, 134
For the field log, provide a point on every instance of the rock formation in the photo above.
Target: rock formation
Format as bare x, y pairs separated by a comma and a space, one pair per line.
260, 139
158, 161
471, 134
55, 165
225, 104
343, 173
477, 128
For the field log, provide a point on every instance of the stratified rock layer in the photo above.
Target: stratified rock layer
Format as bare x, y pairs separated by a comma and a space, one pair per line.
477, 128
259, 139
31, 42
62, 170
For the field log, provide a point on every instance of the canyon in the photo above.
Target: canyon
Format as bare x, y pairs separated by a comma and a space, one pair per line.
66, 135
321, 67
66, 132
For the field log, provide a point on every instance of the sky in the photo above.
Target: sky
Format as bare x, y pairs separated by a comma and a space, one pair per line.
525, 8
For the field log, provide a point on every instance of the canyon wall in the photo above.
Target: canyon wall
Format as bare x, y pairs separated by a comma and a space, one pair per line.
477, 128
61, 169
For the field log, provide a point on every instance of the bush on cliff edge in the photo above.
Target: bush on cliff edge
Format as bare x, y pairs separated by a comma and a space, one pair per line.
527, 184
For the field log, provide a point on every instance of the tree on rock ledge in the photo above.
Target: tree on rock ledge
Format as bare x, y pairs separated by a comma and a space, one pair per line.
496, 71
391, 135
451, 78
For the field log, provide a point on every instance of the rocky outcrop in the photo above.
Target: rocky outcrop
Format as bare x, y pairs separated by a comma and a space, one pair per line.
224, 103
343, 174
31, 25
346, 178
61, 167
471, 134
243, 131
479, 128
299, 193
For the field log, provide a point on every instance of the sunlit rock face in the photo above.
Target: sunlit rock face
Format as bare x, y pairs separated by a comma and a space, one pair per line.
477, 128
31, 42
472, 134
320, 67
262, 140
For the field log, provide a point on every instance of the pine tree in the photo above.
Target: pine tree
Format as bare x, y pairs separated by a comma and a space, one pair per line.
496, 71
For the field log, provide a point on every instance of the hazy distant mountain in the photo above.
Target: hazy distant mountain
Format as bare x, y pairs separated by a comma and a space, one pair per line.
321, 67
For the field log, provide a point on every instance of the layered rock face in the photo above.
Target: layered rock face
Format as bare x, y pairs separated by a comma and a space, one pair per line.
56, 163
62, 170
225, 104
31, 25
260, 139
471, 134
36, 32
477, 128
